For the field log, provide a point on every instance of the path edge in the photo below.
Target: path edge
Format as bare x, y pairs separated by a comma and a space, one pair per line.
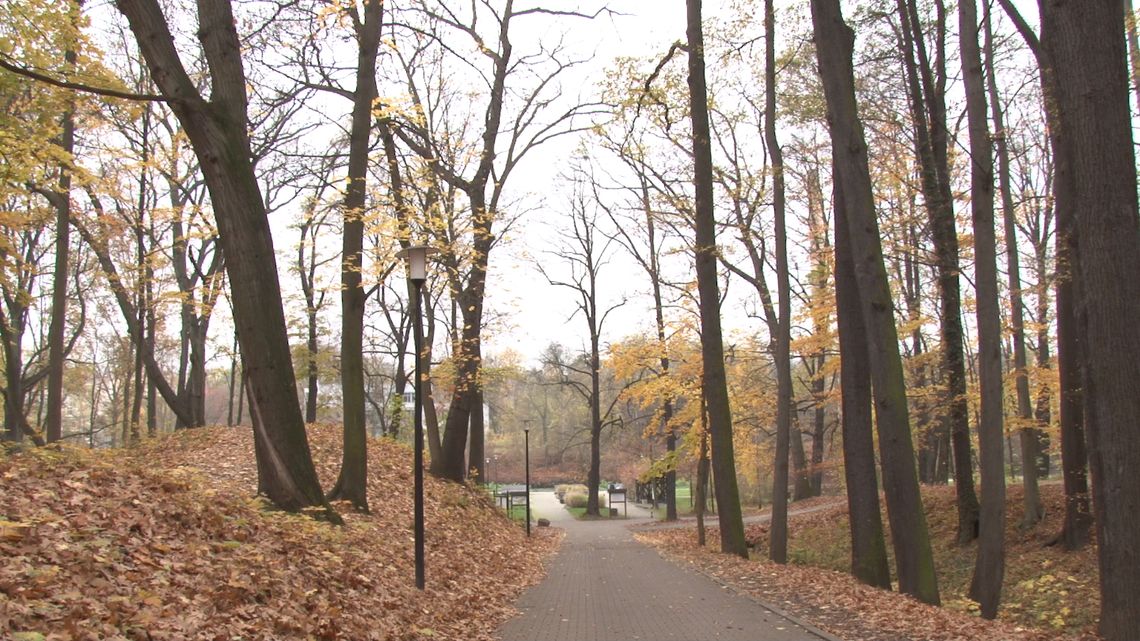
823, 634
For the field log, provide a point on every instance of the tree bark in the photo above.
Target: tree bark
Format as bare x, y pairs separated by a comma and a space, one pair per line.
712, 347
217, 129
1027, 432
868, 545
989, 569
1075, 532
1084, 44
928, 111
834, 46
53, 422
778, 552
477, 447
352, 484
700, 492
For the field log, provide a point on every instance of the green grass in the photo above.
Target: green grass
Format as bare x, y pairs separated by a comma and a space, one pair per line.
518, 513
580, 513
684, 501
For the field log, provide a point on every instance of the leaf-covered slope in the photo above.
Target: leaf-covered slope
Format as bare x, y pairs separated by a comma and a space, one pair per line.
1048, 593
167, 542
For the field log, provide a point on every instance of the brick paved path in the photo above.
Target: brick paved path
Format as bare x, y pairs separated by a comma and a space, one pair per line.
603, 585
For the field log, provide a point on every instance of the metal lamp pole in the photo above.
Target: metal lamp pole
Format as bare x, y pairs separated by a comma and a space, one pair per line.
416, 257
526, 447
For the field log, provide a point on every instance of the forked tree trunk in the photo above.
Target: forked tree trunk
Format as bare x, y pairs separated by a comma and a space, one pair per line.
868, 546
835, 43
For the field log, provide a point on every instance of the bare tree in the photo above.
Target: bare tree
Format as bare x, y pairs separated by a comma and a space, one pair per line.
515, 118
585, 252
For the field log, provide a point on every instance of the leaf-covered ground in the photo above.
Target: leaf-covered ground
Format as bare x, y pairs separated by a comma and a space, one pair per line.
1048, 593
167, 542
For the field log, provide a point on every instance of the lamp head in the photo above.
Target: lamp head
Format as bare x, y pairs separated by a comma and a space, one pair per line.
416, 258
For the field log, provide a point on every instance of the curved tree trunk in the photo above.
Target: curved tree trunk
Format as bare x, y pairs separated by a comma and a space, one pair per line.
712, 347
778, 551
835, 43
352, 484
217, 130
868, 546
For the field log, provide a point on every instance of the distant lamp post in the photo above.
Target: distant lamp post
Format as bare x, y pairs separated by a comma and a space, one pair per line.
526, 450
416, 258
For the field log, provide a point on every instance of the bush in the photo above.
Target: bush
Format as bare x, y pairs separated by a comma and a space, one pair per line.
575, 499
569, 488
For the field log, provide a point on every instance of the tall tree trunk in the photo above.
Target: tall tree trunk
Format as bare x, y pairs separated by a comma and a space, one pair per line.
712, 348
233, 385
835, 43
928, 111
312, 371
53, 423
151, 345
654, 270
778, 551
14, 388
1027, 431
140, 307
594, 477
1075, 532
1088, 56
801, 484
217, 129
868, 545
989, 569
700, 493
819, 429
477, 448
352, 484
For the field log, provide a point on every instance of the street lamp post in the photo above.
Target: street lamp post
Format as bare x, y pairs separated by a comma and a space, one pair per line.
526, 449
416, 257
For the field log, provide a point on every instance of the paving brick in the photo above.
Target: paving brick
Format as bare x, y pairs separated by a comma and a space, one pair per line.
605, 586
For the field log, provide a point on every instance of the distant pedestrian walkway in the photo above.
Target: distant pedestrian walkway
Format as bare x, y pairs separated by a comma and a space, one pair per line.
603, 585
